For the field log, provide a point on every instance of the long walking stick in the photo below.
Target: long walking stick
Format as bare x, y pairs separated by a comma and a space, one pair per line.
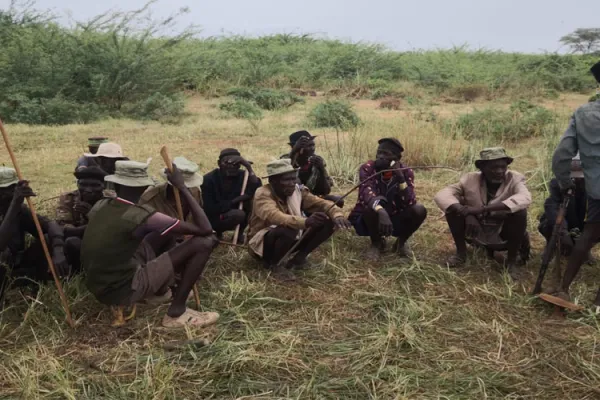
552, 244
295, 246
241, 206
165, 156
40, 231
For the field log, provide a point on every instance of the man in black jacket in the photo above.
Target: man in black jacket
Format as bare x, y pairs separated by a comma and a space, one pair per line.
576, 211
221, 193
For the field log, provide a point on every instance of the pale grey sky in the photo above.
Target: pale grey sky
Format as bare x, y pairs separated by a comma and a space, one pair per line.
511, 25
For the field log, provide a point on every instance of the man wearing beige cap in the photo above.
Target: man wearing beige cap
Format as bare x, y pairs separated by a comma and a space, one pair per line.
93, 144
277, 221
16, 222
106, 156
488, 209
123, 251
162, 197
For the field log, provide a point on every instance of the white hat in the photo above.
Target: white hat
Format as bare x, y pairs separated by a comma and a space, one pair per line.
108, 150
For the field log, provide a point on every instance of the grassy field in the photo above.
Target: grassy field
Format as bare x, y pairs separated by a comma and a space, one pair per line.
348, 329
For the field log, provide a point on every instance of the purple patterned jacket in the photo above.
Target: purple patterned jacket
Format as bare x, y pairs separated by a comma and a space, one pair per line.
394, 194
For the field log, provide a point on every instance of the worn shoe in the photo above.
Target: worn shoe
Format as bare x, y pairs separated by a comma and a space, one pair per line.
455, 261
282, 274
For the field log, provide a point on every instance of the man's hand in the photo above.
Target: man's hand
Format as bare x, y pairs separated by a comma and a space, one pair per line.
301, 144
472, 227
176, 178
22, 191
241, 198
60, 261
82, 207
317, 161
342, 223
569, 189
464, 211
385, 223
316, 220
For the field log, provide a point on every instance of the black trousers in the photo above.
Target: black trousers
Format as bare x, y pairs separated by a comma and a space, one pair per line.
279, 241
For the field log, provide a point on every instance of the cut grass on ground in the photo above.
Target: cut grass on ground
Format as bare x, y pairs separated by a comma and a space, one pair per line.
349, 329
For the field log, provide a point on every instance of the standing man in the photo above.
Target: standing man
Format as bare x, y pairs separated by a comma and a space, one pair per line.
123, 251
312, 169
489, 209
387, 205
581, 136
93, 144
162, 197
277, 220
74, 207
222, 193
16, 258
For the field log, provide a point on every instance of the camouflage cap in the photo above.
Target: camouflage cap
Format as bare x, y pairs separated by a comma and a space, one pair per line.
279, 167
131, 173
8, 177
189, 170
493, 153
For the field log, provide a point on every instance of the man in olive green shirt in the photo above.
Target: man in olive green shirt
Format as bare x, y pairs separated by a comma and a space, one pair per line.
123, 248
583, 136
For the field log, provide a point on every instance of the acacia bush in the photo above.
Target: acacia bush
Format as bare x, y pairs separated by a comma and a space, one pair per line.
333, 114
522, 120
267, 99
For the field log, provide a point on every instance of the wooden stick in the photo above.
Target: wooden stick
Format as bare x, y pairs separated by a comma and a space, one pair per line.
165, 156
40, 231
241, 206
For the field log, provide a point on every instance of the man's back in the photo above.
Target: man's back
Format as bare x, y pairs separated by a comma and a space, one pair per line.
108, 246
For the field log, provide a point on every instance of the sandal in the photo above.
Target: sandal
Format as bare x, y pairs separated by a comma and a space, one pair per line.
191, 318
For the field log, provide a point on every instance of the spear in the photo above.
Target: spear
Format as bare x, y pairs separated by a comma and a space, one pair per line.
40, 231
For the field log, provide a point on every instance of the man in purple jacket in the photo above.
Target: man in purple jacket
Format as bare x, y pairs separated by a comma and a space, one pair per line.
387, 205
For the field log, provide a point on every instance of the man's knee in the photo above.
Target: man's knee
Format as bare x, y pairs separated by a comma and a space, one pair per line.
520, 215
282, 233
419, 212
204, 243
73, 243
237, 216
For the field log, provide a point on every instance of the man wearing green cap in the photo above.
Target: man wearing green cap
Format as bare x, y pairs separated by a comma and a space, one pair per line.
277, 221
162, 197
488, 209
222, 193
581, 136
127, 249
93, 144
16, 221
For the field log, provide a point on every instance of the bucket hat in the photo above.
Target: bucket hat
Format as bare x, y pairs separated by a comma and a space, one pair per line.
108, 150
131, 173
189, 170
279, 167
493, 153
8, 177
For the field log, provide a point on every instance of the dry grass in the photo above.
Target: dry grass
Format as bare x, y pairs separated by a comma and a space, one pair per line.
348, 330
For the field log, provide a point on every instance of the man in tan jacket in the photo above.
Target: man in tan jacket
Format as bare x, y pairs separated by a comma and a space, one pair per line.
278, 220
488, 209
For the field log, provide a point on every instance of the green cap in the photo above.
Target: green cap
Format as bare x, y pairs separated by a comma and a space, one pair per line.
97, 141
279, 167
8, 177
493, 153
189, 171
131, 173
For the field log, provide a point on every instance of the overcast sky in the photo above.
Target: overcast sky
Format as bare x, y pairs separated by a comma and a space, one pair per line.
511, 25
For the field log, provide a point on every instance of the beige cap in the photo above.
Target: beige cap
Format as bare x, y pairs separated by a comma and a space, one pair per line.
108, 150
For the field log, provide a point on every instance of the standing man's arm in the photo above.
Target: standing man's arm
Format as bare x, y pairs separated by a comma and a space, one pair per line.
564, 153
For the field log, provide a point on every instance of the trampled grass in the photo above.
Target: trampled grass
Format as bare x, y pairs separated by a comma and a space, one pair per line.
349, 329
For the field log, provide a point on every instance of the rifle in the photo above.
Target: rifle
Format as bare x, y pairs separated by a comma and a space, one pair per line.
552, 244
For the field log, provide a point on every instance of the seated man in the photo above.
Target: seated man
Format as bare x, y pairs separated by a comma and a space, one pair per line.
93, 143
162, 197
18, 260
576, 211
277, 220
73, 208
222, 193
312, 170
387, 205
106, 156
122, 251
489, 209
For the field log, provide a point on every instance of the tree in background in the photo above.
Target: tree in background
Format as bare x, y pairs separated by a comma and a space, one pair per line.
583, 40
